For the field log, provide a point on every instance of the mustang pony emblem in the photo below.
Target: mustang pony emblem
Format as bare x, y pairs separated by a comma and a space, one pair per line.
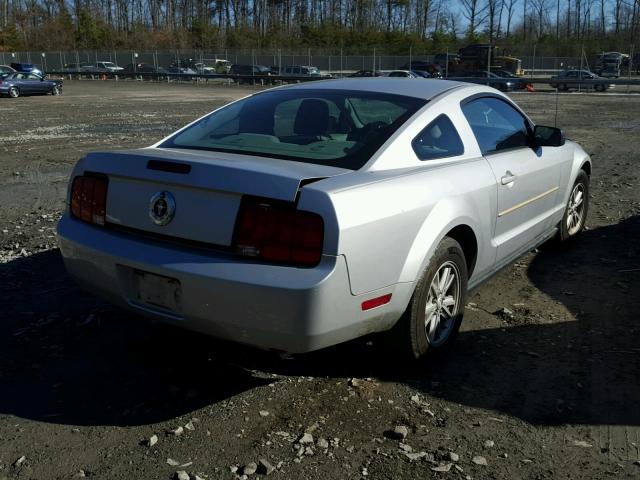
162, 208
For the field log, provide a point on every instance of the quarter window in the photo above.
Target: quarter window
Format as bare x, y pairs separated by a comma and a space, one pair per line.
439, 139
496, 124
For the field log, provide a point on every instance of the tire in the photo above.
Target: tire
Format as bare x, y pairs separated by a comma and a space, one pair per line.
14, 92
563, 88
575, 214
56, 90
599, 88
430, 323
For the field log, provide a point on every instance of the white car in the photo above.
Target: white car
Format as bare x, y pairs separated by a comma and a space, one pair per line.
110, 66
403, 74
307, 215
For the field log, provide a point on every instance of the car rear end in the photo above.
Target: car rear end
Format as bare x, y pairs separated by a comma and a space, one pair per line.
225, 228
245, 264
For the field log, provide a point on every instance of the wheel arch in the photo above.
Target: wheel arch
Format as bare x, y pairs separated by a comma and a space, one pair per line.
463, 229
466, 237
460, 229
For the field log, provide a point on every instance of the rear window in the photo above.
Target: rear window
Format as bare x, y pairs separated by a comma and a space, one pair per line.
327, 127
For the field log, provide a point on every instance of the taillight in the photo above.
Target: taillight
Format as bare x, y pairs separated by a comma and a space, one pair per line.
276, 232
89, 199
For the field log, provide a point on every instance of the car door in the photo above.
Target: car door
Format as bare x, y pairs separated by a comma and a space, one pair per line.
37, 84
23, 83
527, 179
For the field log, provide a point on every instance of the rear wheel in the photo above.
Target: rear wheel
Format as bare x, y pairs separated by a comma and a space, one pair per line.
56, 90
432, 320
575, 214
14, 92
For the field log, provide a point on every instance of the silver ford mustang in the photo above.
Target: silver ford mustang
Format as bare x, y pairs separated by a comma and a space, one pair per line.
308, 215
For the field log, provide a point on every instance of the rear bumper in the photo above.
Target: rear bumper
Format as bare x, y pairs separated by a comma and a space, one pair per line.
267, 306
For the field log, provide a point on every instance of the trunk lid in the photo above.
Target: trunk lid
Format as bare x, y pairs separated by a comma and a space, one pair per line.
205, 188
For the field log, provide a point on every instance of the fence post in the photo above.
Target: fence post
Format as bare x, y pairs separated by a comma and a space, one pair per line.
446, 65
630, 64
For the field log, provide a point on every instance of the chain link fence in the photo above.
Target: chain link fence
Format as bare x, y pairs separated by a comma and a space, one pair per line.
330, 62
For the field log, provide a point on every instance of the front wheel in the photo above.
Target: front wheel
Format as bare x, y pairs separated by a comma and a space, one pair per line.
56, 90
575, 214
599, 88
14, 92
433, 317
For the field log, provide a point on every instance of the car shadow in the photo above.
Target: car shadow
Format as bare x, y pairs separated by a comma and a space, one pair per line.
66, 358
540, 368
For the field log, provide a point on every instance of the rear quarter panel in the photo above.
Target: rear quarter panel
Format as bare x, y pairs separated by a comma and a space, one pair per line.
387, 227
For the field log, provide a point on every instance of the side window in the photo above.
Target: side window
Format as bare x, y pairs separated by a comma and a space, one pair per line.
439, 139
496, 124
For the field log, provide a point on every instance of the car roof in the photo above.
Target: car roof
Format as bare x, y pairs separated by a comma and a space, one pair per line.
426, 89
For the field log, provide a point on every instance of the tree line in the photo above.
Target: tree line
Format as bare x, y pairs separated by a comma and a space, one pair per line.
394, 26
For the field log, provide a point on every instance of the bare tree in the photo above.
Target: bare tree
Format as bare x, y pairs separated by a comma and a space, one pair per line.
540, 9
510, 11
475, 11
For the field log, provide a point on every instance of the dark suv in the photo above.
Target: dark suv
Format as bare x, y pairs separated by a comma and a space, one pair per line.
250, 70
27, 68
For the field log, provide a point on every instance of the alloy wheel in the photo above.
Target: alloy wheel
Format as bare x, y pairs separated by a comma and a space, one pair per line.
442, 304
575, 215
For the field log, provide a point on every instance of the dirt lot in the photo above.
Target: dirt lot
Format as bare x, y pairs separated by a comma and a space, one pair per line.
549, 391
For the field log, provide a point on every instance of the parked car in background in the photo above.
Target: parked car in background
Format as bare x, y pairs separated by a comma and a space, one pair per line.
572, 79
403, 74
6, 70
203, 69
422, 73
144, 68
108, 66
484, 78
28, 67
301, 70
434, 70
308, 215
75, 67
84, 68
367, 73
28, 83
520, 83
259, 71
221, 66
182, 69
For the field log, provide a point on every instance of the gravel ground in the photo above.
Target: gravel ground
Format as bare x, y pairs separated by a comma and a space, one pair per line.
546, 389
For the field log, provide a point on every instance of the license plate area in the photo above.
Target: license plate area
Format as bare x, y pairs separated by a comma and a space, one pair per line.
157, 291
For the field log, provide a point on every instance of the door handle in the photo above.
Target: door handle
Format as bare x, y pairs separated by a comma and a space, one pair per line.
508, 178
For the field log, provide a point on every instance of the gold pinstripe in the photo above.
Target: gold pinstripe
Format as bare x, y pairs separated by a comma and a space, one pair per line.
527, 202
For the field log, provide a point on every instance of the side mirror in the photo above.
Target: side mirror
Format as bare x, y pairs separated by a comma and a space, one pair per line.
548, 136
